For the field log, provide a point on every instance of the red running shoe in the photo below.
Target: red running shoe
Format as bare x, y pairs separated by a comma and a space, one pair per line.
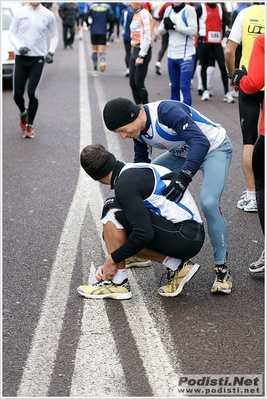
29, 132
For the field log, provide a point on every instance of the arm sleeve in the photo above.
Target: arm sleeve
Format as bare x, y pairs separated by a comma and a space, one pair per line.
12, 33
191, 17
254, 80
161, 29
181, 121
147, 26
53, 34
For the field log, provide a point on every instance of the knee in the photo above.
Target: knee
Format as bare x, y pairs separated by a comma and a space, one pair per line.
209, 204
31, 94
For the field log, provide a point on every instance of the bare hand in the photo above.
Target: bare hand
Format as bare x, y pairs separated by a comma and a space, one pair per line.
107, 271
139, 61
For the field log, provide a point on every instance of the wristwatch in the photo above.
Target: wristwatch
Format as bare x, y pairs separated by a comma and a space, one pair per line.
229, 76
187, 172
141, 56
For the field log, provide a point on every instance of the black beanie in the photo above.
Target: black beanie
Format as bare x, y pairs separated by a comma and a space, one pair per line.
119, 112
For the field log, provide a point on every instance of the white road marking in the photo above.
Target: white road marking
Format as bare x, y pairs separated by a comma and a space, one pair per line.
40, 363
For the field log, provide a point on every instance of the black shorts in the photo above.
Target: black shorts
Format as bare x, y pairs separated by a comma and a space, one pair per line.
98, 39
179, 240
249, 111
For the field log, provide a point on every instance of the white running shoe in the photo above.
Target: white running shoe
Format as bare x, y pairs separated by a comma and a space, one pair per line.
205, 95
247, 204
228, 98
259, 265
158, 68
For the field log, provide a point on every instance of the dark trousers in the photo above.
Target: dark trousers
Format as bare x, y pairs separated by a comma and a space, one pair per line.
68, 35
258, 158
164, 46
138, 75
127, 46
204, 50
27, 69
249, 106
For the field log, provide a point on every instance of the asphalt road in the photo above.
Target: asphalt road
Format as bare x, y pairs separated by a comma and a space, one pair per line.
58, 344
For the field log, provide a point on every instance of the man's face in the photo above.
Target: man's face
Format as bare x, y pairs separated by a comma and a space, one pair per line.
131, 130
34, 4
135, 6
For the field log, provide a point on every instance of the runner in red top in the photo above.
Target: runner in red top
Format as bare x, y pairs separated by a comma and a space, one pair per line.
251, 83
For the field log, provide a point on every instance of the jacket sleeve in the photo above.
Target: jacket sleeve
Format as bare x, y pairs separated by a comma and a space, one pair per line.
254, 80
191, 17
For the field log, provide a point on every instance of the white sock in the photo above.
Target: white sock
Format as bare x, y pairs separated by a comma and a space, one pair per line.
198, 73
251, 195
171, 263
210, 75
120, 276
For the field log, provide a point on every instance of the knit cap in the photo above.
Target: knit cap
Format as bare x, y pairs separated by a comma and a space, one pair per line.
119, 112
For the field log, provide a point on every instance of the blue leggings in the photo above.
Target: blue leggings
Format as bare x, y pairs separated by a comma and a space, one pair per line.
180, 74
214, 170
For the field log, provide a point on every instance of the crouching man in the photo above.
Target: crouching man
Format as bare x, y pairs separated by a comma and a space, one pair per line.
140, 220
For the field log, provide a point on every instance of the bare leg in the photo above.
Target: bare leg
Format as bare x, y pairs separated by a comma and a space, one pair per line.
114, 238
247, 166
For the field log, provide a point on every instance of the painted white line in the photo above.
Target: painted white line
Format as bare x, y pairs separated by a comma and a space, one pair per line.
40, 363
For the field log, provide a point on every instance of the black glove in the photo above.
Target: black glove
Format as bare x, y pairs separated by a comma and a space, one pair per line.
168, 24
49, 58
178, 185
23, 50
238, 75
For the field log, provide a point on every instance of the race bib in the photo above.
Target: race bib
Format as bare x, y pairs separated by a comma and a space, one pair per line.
214, 37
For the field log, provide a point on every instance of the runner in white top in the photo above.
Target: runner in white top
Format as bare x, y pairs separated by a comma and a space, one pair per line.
28, 34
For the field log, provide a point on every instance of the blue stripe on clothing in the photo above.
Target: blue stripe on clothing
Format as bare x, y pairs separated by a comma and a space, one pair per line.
165, 135
198, 118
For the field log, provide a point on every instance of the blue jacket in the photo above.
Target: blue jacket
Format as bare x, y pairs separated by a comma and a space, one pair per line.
126, 19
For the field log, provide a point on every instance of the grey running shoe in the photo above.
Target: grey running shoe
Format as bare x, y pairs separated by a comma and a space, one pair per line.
223, 281
259, 265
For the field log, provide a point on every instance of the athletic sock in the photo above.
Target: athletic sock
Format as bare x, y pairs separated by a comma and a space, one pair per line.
94, 58
120, 276
210, 75
251, 195
172, 263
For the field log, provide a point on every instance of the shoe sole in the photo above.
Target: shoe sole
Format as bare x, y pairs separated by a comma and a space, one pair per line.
138, 264
220, 290
111, 296
182, 283
244, 208
27, 136
259, 270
